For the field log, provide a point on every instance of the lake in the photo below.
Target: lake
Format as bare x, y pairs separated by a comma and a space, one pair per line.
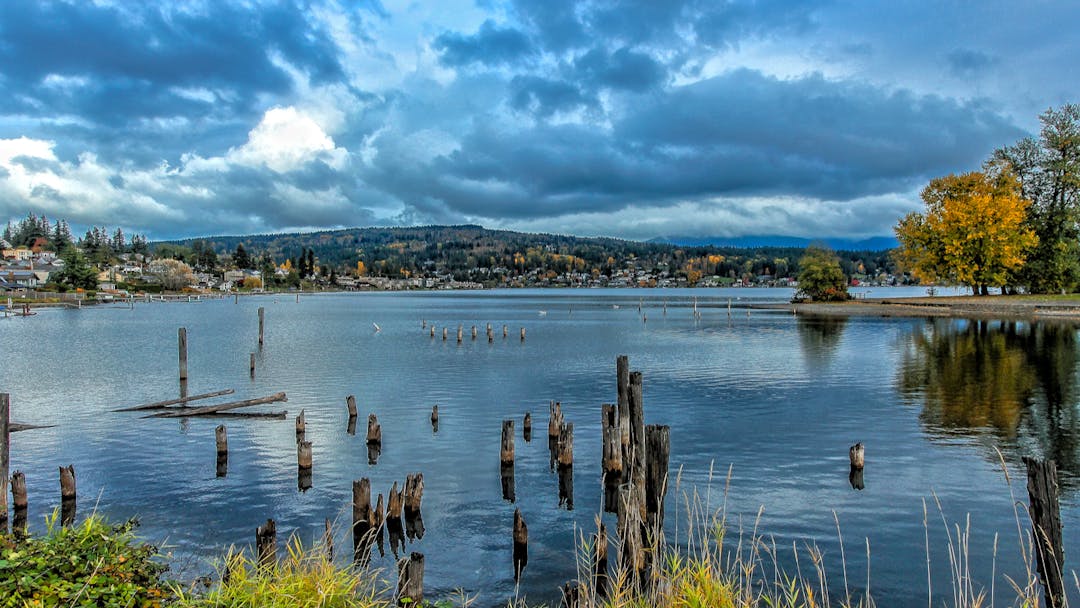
776, 398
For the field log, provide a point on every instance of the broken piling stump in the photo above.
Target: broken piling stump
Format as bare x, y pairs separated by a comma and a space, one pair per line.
857, 456
410, 589
361, 519
19, 504
526, 428
182, 347
68, 496
350, 403
266, 543
1045, 512
374, 431
251, 364
414, 493
301, 426
521, 544
506, 451
262, 320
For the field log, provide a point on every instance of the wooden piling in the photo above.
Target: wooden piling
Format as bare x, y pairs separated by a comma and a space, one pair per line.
555, 419
601, 582
622, 384
378, 516
221, 439
611, 456
459, 330
5, 456
506, 453
521, 544
856, 455
394, 503
410, 588
68, 498
350, 403
444, 334
566, 445
522, 334
414, 493
328, 540
1045, 512
303, 454
18, 490
473, 332
526, 427
251, 364
361, 510
658, 452
182, 347
637, 430
432, 331
374, 431
506, 331
262, 322
266, 544
301, 426
435, 415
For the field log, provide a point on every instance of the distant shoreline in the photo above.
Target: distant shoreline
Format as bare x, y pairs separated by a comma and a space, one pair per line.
982, 307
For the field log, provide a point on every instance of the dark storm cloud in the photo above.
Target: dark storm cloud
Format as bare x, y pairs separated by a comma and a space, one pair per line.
122, 53
741, 134
490, 45
624, 69
544, 97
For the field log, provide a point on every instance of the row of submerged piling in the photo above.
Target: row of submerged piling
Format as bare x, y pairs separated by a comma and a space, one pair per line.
490, 331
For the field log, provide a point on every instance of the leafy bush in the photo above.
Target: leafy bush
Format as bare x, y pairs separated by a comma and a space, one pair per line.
92, 564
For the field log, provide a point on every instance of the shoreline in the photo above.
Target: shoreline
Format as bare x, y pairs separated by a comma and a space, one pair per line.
1063, 308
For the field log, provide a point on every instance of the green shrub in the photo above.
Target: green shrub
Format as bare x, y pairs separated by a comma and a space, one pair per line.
92, 564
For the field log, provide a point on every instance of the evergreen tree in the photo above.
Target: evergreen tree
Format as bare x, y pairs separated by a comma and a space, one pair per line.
241, 257
61, 236
77, 271
119, 244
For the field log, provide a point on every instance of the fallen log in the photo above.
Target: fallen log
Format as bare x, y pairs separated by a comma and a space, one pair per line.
163, 404
15, 426
213, 409
257, 415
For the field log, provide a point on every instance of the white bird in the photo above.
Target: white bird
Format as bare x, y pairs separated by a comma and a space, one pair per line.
615, 306
377, 328
543, 312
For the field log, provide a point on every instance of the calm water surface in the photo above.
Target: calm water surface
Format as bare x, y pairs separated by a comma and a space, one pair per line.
774, 397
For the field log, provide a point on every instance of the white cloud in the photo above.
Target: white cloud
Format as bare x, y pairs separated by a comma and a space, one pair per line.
285, 140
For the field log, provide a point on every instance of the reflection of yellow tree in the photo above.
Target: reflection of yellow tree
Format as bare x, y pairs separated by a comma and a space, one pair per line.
1016, 380
968, 377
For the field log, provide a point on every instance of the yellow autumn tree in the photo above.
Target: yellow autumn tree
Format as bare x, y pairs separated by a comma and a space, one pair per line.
972, 233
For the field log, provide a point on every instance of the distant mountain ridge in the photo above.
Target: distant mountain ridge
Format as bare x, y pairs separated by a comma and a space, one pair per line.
877, 243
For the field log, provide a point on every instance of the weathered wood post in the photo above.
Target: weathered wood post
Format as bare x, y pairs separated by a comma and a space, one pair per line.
301, 426
414, 493
435, 418
5, 456
19, 503
637, 434
566, 445
631, 549
262, 319
432, 333
221, 441
374, 431
459, 330
600, 562
361, 519
622, 384
521, 544
266, 544
410, 589
303, 454
444, 334
67, 495
526, 427
473, 332
328, 540
555, 419
350, 404
522, 334
182, 347
1043, 493
506, 331
490, 334
856, 455
506, 452
611, 454
658, 452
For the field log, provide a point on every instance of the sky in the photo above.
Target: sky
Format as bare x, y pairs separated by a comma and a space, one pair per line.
632, 119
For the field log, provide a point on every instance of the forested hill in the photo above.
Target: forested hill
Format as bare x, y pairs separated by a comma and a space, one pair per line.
457, 250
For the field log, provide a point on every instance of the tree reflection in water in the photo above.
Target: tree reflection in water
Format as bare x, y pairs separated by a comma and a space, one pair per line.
819, 337
1014, 380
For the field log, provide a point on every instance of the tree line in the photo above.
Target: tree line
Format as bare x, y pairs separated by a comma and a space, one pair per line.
1013, 225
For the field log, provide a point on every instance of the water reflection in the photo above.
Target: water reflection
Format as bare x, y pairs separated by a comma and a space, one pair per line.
819, 337
1013, 380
